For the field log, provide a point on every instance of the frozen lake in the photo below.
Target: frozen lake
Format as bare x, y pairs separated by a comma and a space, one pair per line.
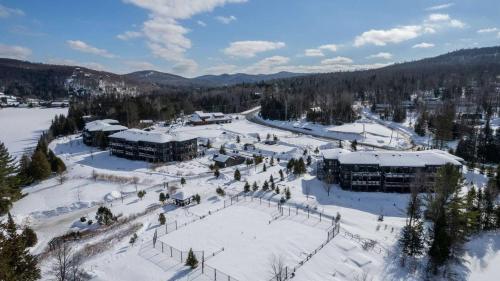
21, 127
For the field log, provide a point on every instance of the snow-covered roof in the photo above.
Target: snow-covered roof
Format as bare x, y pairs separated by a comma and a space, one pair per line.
222, 158
334, 153
136, 135
399, 158
200, 115
104, 125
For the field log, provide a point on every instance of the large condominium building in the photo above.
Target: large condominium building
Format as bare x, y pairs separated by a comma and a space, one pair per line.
153, 146
387, 171
96, 132
205, 118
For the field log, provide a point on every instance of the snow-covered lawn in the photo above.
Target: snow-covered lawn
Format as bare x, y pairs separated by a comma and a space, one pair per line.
21, 127
249, 241
363, 131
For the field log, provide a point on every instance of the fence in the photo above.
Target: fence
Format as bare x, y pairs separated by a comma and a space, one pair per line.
215, 274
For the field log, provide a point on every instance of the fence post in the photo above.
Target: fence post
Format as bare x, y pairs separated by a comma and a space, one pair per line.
215, 274
202, 261
161, 246
170, 251
288, 210
260, 201
181, 256
269, 203
320, 216
296, 210
307, 212
175, 225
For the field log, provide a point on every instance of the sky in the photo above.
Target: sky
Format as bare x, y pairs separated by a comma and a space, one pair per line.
197, 37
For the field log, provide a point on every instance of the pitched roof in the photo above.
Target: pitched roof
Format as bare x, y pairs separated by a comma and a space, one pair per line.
136, 135
399, 158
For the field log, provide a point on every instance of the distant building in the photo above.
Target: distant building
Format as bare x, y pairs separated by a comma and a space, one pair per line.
182, 198
99, 130
152, 146
385, 171
205, 118
223, 161
8, 101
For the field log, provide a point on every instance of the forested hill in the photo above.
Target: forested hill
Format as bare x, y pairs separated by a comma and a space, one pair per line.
478, 69
48, 81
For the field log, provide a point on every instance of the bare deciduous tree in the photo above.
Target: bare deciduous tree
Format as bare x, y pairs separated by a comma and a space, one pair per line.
67, 264
278, 268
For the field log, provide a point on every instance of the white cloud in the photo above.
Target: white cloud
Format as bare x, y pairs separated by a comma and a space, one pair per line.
329, 47
440, 7
225, 20
381, 55
488, 30
166, 37
129, 35
266, 65
423, 45
81, 46
318, 52
313, 53
248, 49
337, 60
6, 12
201, 23
14, 52
382, 37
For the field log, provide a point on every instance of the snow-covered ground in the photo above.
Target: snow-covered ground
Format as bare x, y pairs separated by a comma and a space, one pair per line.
21, 127
244, 229
364, 131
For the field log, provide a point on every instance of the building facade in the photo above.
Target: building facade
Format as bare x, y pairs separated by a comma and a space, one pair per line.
150, 146
384, 171
96, 133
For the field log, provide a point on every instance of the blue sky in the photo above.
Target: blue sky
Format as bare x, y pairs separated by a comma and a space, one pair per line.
195, 37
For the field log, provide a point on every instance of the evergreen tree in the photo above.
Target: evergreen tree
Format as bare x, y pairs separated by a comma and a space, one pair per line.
141, 194
237, 175
272, 161
183, 181
40, 166
277, 190
104, 216
282, 178
288, 195
264, 168
309, 160
354, 145
197, 198
162, 198
290, 165
16, 263
222, 149
255, 187
238, 139
191, 260
24, 175
162, 219
216, 173
246, 188
9, 181
446, 209
265, 186
412, 236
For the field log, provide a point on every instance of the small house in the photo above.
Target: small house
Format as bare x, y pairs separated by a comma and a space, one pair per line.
182, 198
223, 161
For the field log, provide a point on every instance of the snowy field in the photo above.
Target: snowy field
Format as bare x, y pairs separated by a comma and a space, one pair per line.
249, 246
363, 131
21, 127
